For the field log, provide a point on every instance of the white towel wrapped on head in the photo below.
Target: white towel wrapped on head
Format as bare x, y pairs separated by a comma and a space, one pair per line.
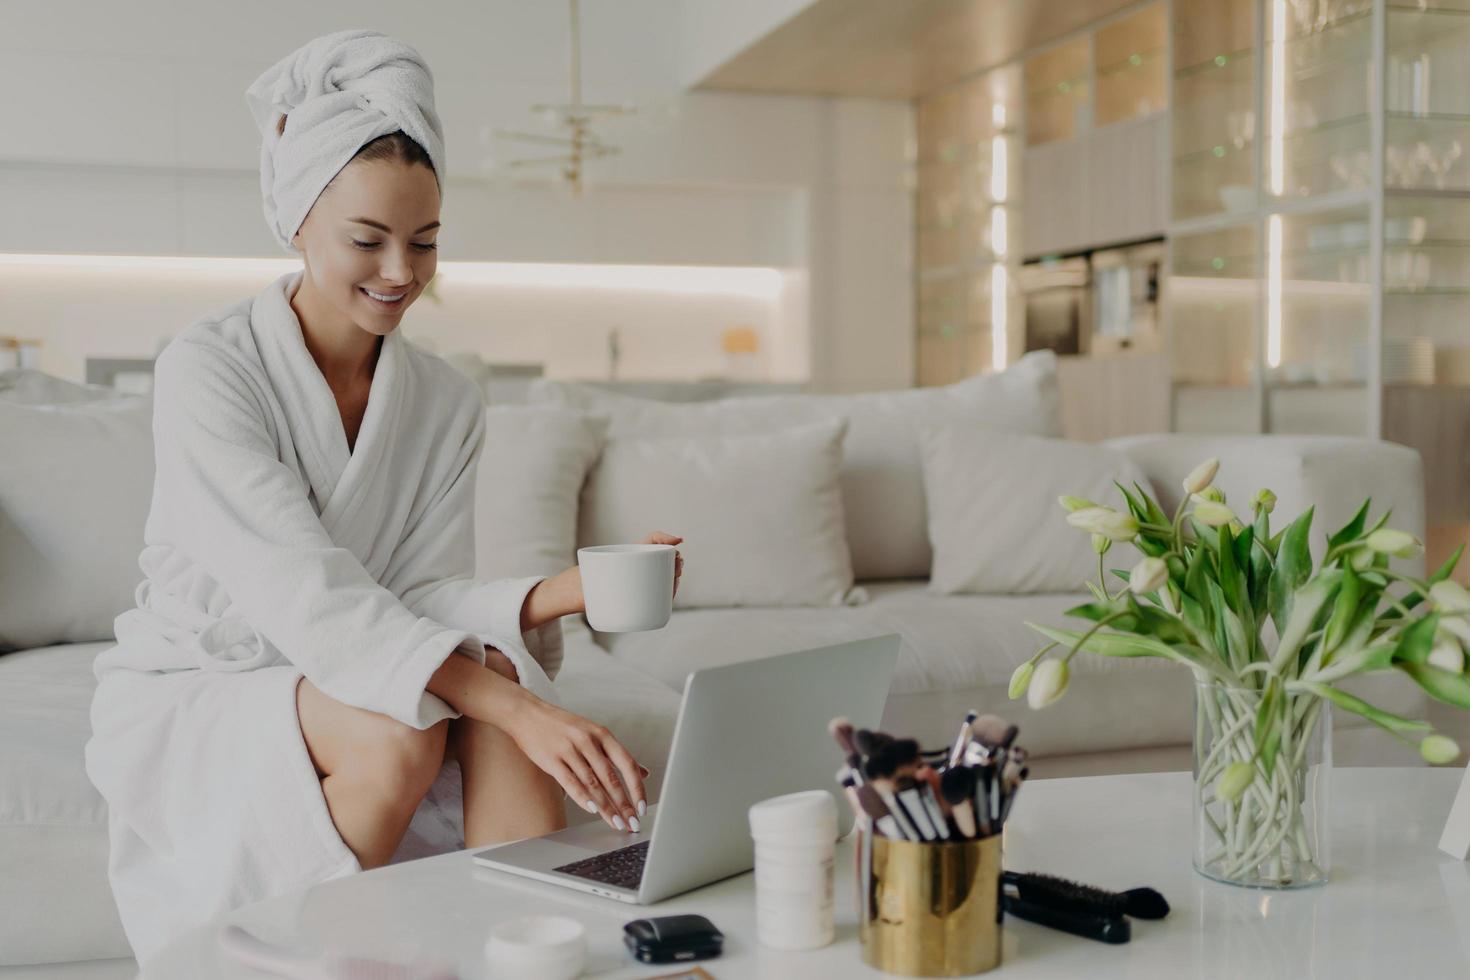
338, 93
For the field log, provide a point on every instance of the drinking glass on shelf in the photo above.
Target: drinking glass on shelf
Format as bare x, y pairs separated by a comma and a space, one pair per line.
1405, 164
1439, 164
1242, 127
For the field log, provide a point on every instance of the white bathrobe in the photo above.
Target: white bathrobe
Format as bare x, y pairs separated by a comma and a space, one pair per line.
273, 552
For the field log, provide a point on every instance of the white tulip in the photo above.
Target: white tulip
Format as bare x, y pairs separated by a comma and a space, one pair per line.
1048, 682
1211, 513
1446, 653
1147, 576
1450, 597
1438, 750
1105, 521
1400, 544
1021, 680
1071, 503
1201, 476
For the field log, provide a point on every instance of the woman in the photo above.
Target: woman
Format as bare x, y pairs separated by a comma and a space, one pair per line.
286, 690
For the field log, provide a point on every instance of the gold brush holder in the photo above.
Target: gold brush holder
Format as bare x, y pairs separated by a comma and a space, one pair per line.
930, 910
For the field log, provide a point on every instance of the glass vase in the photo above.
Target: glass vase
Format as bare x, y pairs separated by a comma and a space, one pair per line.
1274, 835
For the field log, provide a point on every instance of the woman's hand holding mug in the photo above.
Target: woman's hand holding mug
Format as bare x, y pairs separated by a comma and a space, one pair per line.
590, 764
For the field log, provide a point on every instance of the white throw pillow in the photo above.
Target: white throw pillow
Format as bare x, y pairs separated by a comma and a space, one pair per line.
527, 488
994, 520
76, 480
882, 483
761, 515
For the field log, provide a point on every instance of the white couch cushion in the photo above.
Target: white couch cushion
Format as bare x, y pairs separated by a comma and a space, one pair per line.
882, 487
761, 515
26, 386
67, 470
56, 901
994, 521
527, 487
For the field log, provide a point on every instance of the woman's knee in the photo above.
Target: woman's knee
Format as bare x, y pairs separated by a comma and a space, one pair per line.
404, 760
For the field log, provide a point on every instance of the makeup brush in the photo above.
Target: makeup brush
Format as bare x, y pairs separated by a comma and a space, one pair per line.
868, 742
848, 782
893, 758
983, 778
1140, 903
958, 789
964, 736
994, 731
906, 788
877, 813
885, 790
928, 781
1008, 777
842, 732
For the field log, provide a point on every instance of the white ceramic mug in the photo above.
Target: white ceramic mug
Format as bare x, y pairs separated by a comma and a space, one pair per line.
627, 587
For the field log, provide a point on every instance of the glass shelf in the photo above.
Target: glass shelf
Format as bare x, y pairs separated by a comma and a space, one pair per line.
1214, 290
1131, 56
1058, 92
1204, 30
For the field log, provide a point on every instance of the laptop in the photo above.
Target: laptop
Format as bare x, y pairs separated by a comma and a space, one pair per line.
745, 733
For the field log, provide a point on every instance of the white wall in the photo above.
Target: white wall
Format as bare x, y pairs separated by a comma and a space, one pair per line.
132, 137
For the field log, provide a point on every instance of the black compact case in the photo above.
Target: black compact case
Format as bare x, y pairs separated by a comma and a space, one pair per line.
673, 939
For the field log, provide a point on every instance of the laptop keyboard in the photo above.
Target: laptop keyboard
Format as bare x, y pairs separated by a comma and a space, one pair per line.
622, 868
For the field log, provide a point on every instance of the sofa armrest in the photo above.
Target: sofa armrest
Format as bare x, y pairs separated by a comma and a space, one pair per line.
1332, 473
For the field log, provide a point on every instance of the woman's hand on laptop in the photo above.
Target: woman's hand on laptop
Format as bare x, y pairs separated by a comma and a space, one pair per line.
591, 765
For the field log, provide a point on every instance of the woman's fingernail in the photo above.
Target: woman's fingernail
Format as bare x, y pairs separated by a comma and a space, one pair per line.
642, 808
591, 807
618, 822
633, 822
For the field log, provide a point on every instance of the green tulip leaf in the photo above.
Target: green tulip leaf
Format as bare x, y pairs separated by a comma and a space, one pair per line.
1382, 520
1153, 513
1383, 719
1353, 529
1448, 568
1232, 581
1135, 506
1417, 640
1093, 610
1293, 567
1267, 709
1306, 605
1442, 685
1129, 645
1344, 610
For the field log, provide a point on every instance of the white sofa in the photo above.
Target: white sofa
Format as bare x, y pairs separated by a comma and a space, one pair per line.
71, 513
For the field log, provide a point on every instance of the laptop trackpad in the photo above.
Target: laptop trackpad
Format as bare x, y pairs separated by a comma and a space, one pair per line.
537, 853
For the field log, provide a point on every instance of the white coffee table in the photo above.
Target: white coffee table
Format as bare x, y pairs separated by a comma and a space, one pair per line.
1396, 906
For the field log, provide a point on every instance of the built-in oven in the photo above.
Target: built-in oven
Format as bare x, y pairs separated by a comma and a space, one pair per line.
1096, 301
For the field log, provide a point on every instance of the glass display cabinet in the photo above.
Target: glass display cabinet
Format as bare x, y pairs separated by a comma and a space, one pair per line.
966, 204
1320, 226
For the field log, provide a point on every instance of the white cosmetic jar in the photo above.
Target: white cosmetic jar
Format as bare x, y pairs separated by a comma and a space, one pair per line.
537, 947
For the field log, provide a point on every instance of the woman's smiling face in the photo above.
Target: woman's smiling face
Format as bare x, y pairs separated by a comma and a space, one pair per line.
374, 229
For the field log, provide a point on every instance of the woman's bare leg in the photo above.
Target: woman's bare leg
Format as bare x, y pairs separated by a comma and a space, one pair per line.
373, 770
506, 796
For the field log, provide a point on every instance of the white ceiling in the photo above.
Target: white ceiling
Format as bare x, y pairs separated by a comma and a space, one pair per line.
629, 46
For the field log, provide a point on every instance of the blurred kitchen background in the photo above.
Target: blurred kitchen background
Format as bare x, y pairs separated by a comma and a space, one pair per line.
1225, 215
